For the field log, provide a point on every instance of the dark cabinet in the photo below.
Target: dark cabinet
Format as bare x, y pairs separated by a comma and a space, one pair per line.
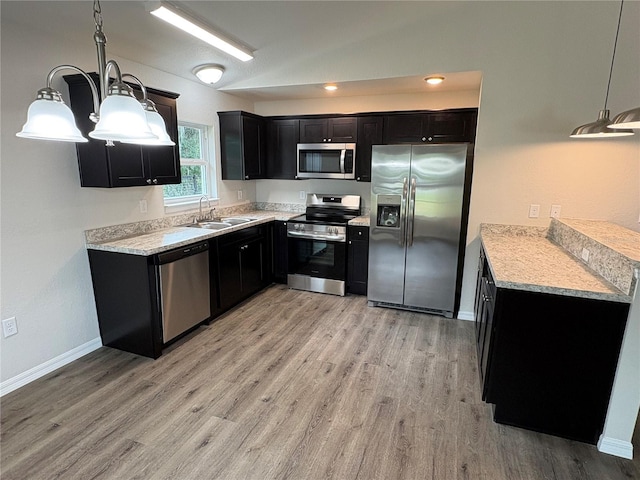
124, 165
547, 362
369, 134
328, 129
431, 127
244, 263
242, 145
357, 259
280, 252
282, 143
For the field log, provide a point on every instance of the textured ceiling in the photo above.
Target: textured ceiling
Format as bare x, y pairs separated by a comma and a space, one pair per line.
293, 42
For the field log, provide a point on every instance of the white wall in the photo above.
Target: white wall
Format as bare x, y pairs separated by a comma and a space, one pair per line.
46, 282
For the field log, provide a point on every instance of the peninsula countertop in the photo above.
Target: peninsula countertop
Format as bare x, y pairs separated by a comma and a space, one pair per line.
524, 258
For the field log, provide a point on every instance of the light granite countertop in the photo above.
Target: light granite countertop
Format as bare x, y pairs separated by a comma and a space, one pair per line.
164, 239
524, 258
361, 221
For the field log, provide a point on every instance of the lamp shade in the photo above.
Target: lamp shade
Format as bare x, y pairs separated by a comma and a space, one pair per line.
49, 119
122, 118
598, 129
628, 119
158, 128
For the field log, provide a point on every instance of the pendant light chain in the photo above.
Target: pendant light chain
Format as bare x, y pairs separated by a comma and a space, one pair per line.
615, 44
97, 14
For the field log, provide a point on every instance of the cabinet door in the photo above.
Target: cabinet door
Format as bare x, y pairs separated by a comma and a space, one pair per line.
369, 134
313, 130
253, 145
448, 127
280, 252
229, 275
252, 272
405, 128
342, 129
282, 141
358, 260
163, 162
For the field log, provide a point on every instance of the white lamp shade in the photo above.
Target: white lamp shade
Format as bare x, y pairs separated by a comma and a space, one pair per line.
158, 128
122, 118
51, 120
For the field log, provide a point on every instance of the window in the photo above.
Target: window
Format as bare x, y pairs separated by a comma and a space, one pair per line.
195, 166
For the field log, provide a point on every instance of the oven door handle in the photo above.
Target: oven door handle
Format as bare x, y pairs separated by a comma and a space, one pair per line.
331, 238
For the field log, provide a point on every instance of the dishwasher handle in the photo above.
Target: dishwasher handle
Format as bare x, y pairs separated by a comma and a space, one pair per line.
177, 254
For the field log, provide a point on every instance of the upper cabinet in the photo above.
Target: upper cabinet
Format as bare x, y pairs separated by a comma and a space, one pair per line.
430, 127
124, 165
328, 129
242, 145
282, 142
369, 134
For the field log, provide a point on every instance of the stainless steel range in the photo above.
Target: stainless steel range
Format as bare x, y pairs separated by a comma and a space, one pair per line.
317, 243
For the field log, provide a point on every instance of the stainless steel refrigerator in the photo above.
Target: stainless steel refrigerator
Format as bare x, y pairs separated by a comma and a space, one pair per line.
419, 211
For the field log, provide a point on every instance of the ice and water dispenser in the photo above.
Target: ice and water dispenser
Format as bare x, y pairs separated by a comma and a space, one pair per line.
388, 214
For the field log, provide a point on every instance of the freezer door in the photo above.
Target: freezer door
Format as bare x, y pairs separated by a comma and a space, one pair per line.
389, 177
434, 217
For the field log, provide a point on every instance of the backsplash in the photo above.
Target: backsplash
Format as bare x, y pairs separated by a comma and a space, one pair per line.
614, 251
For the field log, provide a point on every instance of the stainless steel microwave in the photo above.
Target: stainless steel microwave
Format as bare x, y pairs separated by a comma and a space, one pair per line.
327, 160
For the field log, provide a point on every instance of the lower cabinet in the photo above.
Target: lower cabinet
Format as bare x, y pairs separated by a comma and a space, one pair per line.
357, 259
243, 264
547, 362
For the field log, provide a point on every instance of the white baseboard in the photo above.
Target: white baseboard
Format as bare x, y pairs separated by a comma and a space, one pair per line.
49, 366
616, 447
466, 316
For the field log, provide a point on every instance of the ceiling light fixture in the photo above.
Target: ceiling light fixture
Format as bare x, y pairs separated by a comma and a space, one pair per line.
599, 128
434, 80
209, 74
116, 111
185, 22
331, 87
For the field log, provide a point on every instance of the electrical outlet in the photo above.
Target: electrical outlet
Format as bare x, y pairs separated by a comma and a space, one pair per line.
239, 194
585, 254
143, 206
302, 195
9, 327
555, 211
534, 211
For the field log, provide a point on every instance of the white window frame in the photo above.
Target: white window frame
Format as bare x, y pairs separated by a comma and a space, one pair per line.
188, 202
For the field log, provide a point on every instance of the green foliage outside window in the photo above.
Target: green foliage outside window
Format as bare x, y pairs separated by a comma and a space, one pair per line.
193, 174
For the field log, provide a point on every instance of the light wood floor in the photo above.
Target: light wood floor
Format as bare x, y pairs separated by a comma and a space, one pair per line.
291, 385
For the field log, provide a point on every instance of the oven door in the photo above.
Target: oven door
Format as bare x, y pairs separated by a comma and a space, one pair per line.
317, 258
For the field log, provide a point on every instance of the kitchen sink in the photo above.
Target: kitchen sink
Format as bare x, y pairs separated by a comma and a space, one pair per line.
211, 225
237, 220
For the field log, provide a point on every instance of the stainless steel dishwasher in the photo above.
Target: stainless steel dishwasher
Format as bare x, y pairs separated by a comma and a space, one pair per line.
184, 289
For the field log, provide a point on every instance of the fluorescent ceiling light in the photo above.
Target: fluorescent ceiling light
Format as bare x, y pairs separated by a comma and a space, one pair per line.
177, 18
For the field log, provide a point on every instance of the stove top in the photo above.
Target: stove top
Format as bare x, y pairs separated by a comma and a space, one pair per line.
329, 209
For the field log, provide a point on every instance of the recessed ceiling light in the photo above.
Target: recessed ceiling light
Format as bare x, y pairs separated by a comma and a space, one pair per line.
209, 73
331, 87
434, 80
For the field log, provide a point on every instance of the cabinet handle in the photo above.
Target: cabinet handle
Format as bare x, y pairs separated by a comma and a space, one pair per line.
424, 139
430, 139
155, 180
149, 181
358, 179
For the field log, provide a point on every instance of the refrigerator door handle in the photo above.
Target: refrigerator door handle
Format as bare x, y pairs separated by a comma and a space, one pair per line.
403, 211
412, 211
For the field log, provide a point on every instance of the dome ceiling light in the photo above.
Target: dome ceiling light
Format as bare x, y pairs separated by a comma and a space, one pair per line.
209, 73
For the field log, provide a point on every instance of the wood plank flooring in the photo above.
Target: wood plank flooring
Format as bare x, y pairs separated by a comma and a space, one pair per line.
290, 385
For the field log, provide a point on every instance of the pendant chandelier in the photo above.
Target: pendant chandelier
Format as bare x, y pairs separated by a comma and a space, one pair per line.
603, 127
118, 115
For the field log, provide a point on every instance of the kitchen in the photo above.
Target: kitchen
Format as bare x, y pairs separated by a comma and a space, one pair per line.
535, 90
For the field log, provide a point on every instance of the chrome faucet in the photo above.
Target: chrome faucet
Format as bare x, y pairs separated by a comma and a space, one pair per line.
200, 217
